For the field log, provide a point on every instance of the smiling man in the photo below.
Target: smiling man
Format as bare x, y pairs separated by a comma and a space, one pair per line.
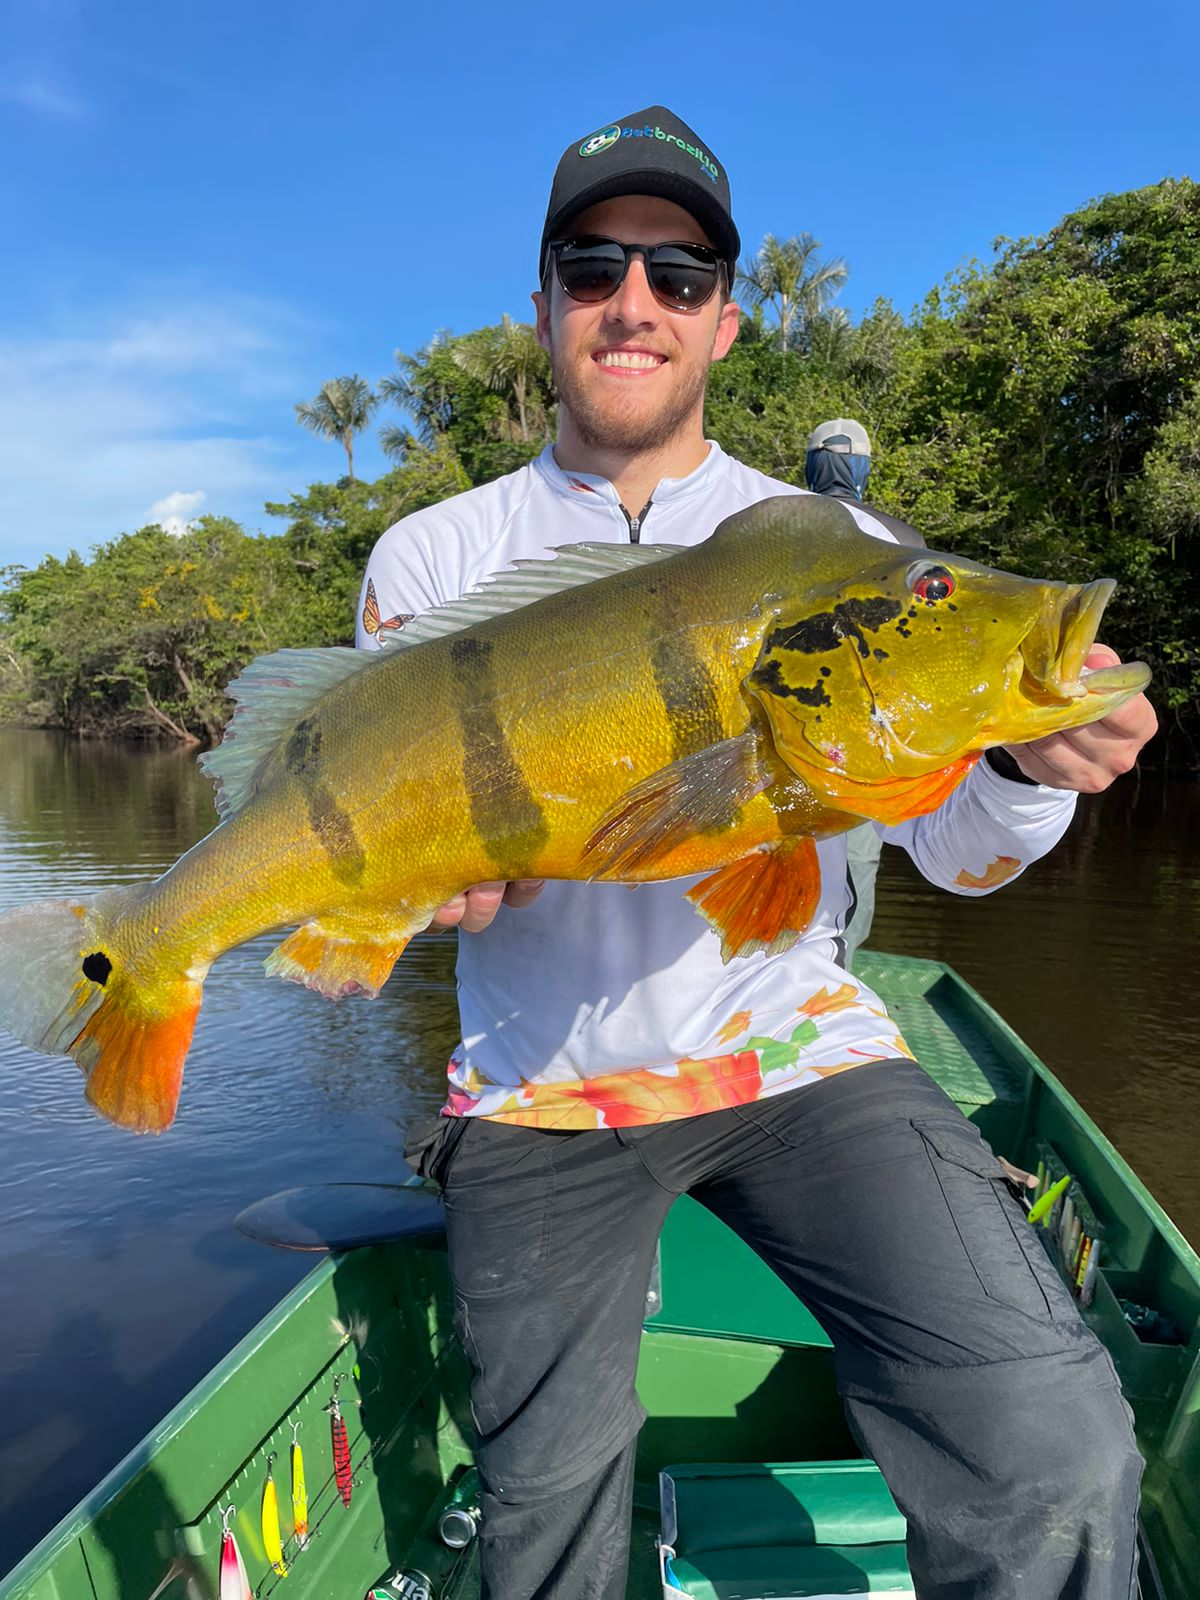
610, 1061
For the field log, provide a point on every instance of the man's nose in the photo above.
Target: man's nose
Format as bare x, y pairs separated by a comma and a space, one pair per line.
634, 303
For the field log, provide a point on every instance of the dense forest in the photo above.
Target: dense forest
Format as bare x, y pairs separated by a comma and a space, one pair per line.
1041, 414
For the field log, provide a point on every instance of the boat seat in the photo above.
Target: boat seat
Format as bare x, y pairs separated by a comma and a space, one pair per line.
804, 1530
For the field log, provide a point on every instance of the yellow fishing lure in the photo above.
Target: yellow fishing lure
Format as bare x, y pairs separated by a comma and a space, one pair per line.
272, 1538
299, 1492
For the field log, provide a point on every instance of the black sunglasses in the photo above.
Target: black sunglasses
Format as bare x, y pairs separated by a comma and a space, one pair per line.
682, 277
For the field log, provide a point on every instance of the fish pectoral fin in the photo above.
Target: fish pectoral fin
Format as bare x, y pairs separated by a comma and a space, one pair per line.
764, 900
698, 793
337, 960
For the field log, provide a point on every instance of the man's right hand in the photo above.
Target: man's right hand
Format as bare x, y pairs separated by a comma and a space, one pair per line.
476, 908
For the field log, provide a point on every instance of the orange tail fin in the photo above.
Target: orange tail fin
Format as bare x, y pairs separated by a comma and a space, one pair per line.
134, 1057
65, 989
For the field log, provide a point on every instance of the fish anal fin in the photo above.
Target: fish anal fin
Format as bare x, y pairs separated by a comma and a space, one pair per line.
133, 1054
699, 793
336, 962
764, 900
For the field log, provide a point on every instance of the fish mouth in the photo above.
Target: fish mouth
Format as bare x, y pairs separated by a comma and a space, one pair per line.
1055, 650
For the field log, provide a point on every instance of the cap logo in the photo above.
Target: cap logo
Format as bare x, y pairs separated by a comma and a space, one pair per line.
600, 141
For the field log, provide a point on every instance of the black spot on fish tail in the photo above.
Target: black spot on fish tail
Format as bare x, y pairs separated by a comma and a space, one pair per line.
97, 967
771, 678
506, 815
304, 748
335, 833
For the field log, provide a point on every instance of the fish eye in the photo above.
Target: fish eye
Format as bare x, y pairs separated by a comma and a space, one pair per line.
930, 582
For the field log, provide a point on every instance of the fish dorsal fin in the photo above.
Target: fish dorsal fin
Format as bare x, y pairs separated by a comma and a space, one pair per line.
525, 582
271, 693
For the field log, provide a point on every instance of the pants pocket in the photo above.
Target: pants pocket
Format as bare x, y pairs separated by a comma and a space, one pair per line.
1003, 1251
430, 1145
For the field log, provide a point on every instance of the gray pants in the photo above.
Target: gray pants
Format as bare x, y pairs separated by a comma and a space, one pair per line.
965, 1369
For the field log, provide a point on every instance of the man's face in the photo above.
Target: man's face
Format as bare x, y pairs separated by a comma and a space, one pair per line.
629, 372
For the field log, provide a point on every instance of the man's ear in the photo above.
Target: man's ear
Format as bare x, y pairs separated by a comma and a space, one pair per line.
541, 306
727, 330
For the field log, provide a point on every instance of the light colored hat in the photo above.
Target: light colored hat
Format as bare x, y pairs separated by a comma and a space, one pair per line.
846, 437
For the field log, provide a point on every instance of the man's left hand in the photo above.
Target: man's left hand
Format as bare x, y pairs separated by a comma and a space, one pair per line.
1088, 759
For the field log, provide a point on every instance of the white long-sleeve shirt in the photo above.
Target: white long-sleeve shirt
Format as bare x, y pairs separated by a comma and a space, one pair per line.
603, 1006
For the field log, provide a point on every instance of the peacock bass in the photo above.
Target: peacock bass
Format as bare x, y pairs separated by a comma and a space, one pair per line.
625, 713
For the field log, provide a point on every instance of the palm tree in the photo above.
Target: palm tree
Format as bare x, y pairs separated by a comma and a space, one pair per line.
342, 409
510, 361
786, 275
420, 387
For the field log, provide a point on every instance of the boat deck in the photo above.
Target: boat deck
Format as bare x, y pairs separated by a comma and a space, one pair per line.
732, 1369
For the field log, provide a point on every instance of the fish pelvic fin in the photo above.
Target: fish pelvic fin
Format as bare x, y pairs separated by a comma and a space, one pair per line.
764, 900
336, 963
66, 989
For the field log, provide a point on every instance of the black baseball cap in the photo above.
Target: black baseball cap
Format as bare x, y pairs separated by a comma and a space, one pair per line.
647, 152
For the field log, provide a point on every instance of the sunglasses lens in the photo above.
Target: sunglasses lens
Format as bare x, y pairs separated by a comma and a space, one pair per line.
681, 278
591, 272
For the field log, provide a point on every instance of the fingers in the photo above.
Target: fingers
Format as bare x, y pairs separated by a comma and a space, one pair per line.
1087, 760
475, 909
524, 891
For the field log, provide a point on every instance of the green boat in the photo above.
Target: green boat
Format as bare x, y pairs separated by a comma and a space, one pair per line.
749, 1484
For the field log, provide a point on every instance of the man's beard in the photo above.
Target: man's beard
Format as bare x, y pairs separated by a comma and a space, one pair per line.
608, 428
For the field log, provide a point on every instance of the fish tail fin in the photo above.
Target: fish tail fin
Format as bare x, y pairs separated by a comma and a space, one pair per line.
67, 988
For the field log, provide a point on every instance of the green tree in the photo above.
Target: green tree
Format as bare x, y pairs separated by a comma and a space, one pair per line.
509, 360
341, 409
486, 392
787, 275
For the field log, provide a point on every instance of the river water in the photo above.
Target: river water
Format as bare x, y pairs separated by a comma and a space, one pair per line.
122, 1278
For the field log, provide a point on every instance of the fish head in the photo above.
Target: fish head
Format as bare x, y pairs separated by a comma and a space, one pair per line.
882, 686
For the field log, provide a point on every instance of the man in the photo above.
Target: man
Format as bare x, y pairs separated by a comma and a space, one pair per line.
595, 1082
837, 463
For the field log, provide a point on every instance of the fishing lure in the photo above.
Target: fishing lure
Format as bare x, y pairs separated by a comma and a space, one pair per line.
272, 1538
342, 1469
235, 1585
299, 1492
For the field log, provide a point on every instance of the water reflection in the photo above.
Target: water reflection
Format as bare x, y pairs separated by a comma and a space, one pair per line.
123, 1278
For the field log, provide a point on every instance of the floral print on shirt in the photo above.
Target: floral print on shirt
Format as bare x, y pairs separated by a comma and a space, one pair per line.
761, 1066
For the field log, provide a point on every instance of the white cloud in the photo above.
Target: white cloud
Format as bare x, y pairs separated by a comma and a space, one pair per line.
173, 512
98, 425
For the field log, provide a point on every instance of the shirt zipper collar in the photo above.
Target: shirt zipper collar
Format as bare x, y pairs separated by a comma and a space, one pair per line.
635, 523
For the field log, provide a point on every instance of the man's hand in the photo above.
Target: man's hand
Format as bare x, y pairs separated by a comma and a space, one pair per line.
476, 908
1088, 759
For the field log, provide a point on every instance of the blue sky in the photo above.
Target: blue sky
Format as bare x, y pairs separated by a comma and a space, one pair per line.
210, 209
